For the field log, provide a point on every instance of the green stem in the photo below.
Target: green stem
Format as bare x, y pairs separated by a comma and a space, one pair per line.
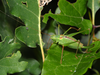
40, 38
93, 15
93, 22
90, 16
96, 71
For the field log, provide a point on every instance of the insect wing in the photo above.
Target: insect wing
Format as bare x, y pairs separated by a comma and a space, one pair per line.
67, 41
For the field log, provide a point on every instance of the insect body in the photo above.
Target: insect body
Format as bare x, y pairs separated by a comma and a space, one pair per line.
66, 40
43, 2
69, 41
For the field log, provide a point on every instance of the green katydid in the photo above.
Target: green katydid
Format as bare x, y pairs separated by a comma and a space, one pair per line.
69, 41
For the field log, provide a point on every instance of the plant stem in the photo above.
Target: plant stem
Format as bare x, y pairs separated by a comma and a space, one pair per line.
93, 18
96, 71
93, 23
40, 38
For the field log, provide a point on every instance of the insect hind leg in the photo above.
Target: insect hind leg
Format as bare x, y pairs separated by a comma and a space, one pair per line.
77, 49
61, 55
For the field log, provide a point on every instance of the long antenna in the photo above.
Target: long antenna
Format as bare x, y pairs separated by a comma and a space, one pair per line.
12, 17
20, 22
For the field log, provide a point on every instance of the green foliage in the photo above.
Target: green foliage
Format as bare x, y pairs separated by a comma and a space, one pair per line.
33, 67
94, 5
6, 48
11, 65
31, 20
21, 22
70, 65
74, 16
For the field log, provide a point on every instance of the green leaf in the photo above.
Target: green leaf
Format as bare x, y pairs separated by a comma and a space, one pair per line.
23, 73
71, 14
11, 65
70, 65
6, 29
6, 47
28, 11
94, 5
33, 67
57, 11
